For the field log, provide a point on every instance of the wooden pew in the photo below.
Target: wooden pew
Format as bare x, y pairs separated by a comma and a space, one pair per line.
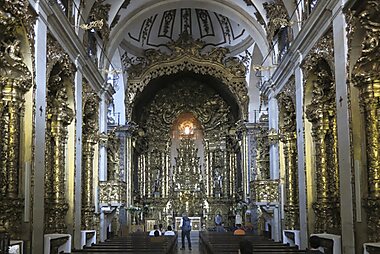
216, 242
135, 244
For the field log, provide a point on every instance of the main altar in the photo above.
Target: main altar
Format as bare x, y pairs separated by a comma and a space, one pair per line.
187, 146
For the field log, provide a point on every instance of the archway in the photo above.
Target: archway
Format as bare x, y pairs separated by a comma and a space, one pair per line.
186, 151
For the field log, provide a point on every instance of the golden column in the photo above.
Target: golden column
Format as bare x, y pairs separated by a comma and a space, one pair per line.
12, 106
289, 138
369, 95
90, 130
60, 116
12, 109
15, 81
88, 207
321, 113
367, 79
291, 181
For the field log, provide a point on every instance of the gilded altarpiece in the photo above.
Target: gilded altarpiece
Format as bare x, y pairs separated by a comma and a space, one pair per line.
90, 139
288, 137
59, 116
113, 191
187, 161
258, 143
258, 149
15, 81
321, 113
366, 77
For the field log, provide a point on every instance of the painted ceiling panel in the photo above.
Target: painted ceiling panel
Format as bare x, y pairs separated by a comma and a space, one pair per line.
213, 28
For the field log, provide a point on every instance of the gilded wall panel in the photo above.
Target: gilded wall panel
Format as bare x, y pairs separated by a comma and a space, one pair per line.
15, 81
288, 136
366, 77
186, 55
321, 113
59, 116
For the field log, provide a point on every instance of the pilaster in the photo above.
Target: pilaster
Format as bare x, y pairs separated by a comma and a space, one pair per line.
78, 155
302, 195
273, 138
40, 134
343, 131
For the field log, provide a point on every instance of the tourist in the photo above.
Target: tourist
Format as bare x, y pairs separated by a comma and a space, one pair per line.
161, 228
169, 231
220, 228
186, 228
240, 230
155, 228
315, 243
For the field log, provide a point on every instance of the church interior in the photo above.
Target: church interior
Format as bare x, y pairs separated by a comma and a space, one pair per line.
120, 115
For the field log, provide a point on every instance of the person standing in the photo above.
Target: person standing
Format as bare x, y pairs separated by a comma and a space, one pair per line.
186, 228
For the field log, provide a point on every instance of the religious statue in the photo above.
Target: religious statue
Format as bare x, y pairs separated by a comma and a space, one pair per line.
156, 183
218, 178
218, 219
13, 50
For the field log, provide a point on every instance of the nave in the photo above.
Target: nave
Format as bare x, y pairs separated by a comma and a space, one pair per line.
116, 116
202, 243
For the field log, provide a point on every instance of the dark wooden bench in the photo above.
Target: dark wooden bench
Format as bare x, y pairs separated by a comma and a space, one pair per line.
135, 244
217, 242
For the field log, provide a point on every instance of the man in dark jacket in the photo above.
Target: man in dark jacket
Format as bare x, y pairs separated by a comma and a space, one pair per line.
186, 228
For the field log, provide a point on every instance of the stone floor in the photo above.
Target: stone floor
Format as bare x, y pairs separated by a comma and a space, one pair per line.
194, 236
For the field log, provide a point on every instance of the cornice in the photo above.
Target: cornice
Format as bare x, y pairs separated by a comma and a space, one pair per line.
315, 27
64, 33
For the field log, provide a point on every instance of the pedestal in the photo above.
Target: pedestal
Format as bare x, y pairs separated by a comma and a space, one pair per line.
16, 247
336, 239
291, 237
87, 238
65, 246
370, 248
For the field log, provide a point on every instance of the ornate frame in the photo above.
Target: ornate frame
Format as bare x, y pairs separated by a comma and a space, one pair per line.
186, 55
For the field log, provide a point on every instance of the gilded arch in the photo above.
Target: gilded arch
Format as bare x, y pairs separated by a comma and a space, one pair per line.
186, 55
